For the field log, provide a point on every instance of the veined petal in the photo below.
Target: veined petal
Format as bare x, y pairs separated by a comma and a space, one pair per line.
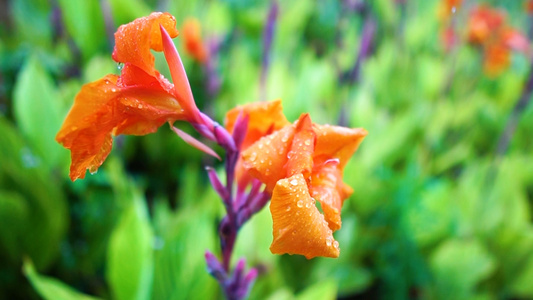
134, 40
299, 228
337, 142
266, 158
264, 118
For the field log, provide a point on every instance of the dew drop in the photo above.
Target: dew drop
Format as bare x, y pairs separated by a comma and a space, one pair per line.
284, 138
120, 66
307, 142
336, 244
307, 205
288, 208
253, 156
300, 203
260, 146
294, 182
113, 90
293, 232
328, 241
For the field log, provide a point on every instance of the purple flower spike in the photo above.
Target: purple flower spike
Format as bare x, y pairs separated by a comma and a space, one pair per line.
224, 139
240, 129
214, 267
217, 184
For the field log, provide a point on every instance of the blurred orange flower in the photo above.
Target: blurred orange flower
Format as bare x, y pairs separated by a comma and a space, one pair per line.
192, 36
137, 102
488, 28
528, 6
301, 163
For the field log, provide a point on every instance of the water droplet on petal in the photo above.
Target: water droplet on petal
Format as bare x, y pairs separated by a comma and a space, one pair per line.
336, 244
300, 203
307, 142
284, 138
294, 182
307, 205
253, 156
328, 241
120, 66
288, 208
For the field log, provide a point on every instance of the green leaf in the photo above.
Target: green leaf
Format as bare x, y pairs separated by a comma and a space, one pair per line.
459, 265
85, 23
182, 237
125, 11
50, 288
319, 291
37, 110
130, 253
22, 174
13, 213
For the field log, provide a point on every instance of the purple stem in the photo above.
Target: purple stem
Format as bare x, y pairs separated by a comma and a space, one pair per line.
512, 122
268, 34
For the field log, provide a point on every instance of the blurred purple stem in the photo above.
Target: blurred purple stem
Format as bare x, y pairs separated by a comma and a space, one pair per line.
514, 117
268, 35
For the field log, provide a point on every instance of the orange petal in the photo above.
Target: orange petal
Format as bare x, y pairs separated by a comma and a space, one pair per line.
337, 142
134, 40
300, 156
182, 88
266, 158
326, 187
103, 108
264, 118
192, 36
299, 228
497, 59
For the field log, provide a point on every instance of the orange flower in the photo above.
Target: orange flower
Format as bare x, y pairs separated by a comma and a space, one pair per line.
487, 28
484, 24
497, 58
137, 102
264, 118
301, 163
192, 36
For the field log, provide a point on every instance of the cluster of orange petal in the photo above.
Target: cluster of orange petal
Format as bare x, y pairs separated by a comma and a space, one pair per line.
301, 163
137, 102
488, 28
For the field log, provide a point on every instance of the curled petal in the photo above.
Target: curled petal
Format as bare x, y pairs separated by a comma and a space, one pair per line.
337, 142
264, 118
327, 188
134, 40
299, 228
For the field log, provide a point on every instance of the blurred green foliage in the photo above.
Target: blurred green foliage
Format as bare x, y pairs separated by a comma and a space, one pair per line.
437, 213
